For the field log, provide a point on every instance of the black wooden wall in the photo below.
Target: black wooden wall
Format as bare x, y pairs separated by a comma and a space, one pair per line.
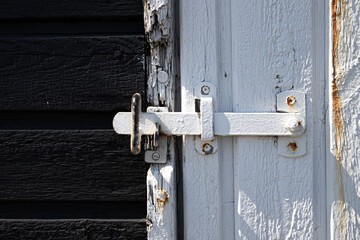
66, 68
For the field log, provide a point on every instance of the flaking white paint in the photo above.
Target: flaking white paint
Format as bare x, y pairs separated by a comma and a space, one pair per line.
159, 26
343, 159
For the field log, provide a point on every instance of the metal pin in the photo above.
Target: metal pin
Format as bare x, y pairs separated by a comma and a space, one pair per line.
135, 139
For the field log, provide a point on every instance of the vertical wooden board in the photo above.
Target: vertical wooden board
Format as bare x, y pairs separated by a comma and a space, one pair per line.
319, 103
161, 65
271, 53
225, 104
343, 168
201, 178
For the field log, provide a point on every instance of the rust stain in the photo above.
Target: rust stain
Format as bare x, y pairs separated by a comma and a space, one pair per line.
291, 101
336, 15
292, 146
162, 198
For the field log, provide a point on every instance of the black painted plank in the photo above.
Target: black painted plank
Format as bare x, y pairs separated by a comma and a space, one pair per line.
73, 229
56, 120
98, 26
72, 210
70, 73
69, 8
70, 165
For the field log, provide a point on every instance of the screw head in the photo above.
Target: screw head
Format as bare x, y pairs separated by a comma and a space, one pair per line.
117, 53
291, 101
294, 125
207, 148
155, 156
205, 90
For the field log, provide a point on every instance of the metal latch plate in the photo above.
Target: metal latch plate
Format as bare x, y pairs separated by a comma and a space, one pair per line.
160, 154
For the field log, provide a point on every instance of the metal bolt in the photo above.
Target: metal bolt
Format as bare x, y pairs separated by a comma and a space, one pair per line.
155, 156
205, 90
162, 197
207, 148
162, 77
291, 101
294, 125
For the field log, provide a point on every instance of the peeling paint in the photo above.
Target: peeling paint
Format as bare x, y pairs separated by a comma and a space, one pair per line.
337, 8
161, 71
158, 22
162, 198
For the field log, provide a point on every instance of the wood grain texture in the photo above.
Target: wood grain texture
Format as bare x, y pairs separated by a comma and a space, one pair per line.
258, 194
319, 91
70, 73
271, 53
201, 178
69, 165
73, 229
343, 166
75, 27
162, 69
68, 8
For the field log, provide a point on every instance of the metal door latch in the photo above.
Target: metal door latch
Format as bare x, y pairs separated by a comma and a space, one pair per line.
288, 123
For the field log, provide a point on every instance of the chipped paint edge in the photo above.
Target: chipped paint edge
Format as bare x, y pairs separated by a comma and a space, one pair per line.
159, 24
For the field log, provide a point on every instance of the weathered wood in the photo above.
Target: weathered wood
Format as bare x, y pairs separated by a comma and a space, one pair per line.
272, 53
73, 229
70, 73
343, 166
319, 89
69, 165
159, 21
250, 52
69, 8
201, 178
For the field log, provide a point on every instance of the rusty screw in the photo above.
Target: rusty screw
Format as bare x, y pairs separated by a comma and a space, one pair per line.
207, 148
162, 196
205, 90
155, 156
291, 101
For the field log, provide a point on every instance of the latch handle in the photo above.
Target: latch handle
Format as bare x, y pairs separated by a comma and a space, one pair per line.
135, 139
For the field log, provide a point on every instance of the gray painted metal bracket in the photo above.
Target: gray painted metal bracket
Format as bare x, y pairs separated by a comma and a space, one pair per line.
158, 155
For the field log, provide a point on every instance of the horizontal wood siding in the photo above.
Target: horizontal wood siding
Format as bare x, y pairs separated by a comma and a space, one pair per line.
70, 73
66, 68
69, 165
69, 8
72, 229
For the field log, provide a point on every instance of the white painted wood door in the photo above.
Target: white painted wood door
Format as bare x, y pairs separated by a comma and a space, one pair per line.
252, 50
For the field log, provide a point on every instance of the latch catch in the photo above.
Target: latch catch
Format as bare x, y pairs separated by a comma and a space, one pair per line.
288, 123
